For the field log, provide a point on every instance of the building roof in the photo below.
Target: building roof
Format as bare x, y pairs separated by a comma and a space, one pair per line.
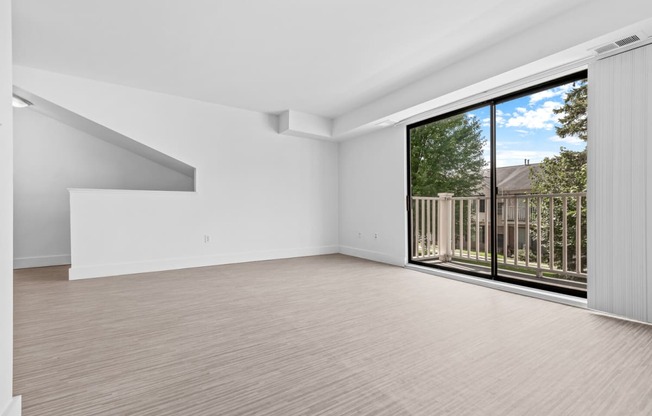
512, 179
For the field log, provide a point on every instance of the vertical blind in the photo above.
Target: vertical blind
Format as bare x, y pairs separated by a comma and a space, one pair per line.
620, 184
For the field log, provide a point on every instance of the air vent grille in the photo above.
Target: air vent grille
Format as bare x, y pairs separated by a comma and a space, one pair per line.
606, 48
627, 40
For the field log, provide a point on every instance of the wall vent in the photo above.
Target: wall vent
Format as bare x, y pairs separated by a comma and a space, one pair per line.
606, 48
628, 40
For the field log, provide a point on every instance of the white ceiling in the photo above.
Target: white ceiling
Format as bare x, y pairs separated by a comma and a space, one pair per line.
324, 57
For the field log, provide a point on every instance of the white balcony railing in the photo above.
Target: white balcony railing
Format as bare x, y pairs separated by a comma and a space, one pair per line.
542, 235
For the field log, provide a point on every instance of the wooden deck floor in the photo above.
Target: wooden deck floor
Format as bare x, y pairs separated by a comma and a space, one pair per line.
464, 267
328, 335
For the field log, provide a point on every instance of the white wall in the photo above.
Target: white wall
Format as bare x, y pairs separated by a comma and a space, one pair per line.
372, 196
259, 195
50, 157
8, 407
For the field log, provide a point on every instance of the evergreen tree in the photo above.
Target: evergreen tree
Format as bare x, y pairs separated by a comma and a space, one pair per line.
565, 173
573, 112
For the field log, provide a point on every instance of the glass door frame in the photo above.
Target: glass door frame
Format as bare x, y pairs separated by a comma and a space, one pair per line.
492, 104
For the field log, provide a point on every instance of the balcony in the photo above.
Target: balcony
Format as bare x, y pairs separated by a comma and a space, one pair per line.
540, 237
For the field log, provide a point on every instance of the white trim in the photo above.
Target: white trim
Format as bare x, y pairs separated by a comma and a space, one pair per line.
502, 90
41, 261
372, 255
127, 191
157, 265
520, 290
14, 408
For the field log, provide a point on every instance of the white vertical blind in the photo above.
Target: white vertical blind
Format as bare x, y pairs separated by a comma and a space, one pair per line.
620, 184
647, 88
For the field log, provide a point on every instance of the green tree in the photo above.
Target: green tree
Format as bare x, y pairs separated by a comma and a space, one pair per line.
446, 156
573, 112
565, 173
562, 173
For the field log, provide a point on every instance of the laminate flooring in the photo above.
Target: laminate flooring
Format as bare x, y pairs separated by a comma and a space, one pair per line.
325, 335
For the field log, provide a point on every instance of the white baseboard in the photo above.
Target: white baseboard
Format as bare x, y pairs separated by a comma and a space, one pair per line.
373, 255
116, 269
14, 408
41, 261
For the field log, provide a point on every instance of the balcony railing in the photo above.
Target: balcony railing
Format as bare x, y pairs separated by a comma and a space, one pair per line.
538, 234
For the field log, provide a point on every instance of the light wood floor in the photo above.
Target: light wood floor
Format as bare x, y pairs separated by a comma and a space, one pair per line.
329, 335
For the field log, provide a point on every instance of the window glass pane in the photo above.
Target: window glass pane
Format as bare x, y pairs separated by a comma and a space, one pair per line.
541, 142
449, 177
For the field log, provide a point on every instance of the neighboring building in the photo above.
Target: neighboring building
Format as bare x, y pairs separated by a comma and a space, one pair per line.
511, 180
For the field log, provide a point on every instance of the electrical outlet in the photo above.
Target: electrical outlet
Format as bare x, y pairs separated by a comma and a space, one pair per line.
375, 235
359, 235
207, 238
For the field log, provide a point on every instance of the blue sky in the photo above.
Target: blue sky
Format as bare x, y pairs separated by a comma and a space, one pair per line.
526, 128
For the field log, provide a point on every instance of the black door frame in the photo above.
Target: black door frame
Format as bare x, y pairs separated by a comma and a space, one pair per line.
492, 103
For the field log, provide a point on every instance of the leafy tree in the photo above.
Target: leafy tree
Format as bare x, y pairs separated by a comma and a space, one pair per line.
446, 156
565, 173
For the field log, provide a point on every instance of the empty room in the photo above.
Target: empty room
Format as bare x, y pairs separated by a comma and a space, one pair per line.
325, 208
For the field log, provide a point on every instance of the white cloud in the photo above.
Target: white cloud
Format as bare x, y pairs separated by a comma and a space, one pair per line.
572, 141
500, 117
543, 95
560, 91
539, 118
501, 143
523, 132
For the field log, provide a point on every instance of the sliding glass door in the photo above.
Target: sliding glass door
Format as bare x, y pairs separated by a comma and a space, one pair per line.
498, 190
